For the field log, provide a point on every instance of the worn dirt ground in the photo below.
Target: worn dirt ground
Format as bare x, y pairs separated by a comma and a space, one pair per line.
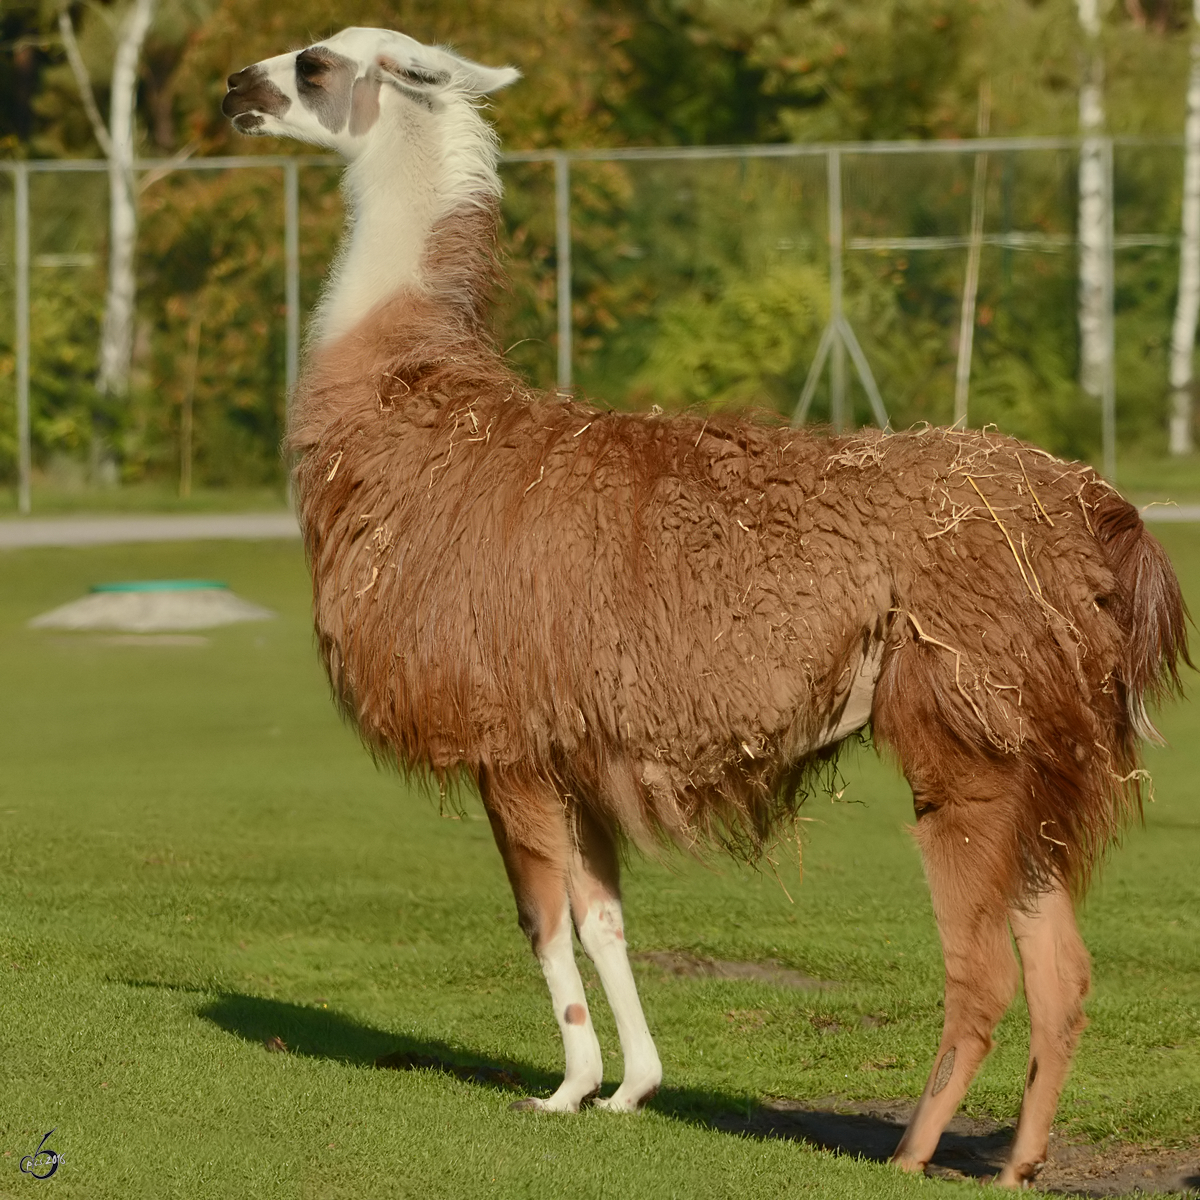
970, 1148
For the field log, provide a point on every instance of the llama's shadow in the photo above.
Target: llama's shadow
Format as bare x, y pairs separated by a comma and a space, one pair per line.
315, 1032
969, 1148
869, 1132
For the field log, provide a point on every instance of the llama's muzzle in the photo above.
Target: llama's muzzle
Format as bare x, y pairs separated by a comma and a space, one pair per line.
251, 97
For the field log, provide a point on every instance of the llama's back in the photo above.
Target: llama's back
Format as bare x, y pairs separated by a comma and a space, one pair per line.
677, 617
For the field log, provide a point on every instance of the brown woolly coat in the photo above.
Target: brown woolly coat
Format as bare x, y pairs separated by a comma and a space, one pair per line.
662, 617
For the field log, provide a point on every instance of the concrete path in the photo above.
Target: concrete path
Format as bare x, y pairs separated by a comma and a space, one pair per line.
96, 531
1171, 512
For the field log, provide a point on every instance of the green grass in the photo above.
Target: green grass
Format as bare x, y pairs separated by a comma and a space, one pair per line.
49, 500
196, 856
1145, 478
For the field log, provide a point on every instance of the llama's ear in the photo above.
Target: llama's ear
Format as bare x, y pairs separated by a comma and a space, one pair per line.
418, 79
480, 80
442, 69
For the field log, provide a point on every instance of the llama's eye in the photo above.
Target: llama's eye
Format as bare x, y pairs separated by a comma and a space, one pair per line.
309, 68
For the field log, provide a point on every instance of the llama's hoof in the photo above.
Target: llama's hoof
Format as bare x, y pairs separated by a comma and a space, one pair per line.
555, 1104
1019, 1177
623, 1101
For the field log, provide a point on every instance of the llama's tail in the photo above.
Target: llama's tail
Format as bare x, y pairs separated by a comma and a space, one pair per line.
1148, 606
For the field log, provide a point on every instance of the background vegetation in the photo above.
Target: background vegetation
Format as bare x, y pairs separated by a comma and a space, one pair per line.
694, 283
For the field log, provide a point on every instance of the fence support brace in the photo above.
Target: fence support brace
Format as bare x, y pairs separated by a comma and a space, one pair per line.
838, 336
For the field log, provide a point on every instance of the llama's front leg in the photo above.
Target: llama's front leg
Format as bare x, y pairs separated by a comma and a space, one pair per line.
596, 906
1056, 981
533, 842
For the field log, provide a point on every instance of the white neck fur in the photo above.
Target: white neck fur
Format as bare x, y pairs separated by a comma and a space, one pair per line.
416, 168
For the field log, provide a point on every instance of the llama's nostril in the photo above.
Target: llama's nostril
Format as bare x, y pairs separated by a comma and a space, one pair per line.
251, 95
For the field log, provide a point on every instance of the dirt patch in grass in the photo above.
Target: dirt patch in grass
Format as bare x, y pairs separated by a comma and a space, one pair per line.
971, 1148
694, 966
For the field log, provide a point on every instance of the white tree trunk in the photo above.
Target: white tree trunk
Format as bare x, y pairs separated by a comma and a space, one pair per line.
116, 338
1187, 306
1094, 349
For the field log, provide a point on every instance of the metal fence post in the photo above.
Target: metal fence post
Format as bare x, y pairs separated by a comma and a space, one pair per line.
291, 254
291, 290
24, 450
1108, 394
562, 231
837, 398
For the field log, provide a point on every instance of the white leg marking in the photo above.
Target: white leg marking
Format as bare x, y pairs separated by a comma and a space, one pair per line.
602, 933
585, 1069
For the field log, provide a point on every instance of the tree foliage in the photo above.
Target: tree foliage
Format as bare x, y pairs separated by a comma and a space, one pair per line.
700, 283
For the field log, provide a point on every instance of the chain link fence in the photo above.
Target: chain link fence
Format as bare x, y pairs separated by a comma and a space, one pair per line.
823, 281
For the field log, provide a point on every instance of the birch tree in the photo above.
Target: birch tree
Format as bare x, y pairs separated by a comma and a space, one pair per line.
1187, 306
1094, 349
117, 141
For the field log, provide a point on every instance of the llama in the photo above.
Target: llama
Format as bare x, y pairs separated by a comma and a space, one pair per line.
657, 629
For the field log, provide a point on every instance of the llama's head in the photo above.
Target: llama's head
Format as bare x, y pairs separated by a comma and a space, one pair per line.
405, 116
339, 92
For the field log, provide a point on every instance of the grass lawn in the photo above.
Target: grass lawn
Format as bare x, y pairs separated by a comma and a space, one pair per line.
154, 496
1146, 478
197, 857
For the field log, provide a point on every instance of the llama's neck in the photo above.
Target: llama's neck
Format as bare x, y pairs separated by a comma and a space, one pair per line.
422, 173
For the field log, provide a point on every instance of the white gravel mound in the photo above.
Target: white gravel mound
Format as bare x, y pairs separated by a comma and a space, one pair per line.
153, 606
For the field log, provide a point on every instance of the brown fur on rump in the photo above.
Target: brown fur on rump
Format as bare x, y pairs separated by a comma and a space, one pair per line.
662, 617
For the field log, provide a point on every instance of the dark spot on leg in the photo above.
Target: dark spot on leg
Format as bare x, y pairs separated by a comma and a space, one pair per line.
944, 1071
1032, 1074
529, 1104
576, 1014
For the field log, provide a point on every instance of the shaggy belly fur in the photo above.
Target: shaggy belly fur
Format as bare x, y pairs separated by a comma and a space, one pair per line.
677, 618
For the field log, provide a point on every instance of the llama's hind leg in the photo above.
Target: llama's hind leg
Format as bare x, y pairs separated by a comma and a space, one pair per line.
965, 847
1057, 975
596, 907
534, 842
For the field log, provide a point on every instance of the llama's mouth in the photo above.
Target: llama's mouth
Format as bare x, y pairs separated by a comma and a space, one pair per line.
250, 123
